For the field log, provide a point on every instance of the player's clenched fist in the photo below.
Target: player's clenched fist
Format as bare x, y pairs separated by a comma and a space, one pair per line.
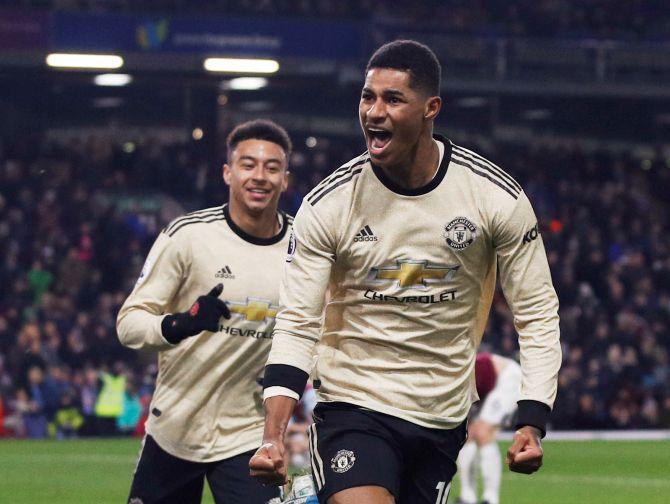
268, 464
525, 454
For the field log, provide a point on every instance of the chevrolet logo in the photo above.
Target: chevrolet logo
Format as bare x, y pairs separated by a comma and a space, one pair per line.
413, 274
254, 309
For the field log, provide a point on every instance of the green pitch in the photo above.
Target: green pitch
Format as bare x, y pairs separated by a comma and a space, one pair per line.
99, 471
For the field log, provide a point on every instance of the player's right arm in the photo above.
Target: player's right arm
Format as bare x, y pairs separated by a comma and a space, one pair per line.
269, 464
139, 321
297, 330
143, 323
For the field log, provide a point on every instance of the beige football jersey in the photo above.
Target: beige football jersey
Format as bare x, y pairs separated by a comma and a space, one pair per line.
412, 274
207, 405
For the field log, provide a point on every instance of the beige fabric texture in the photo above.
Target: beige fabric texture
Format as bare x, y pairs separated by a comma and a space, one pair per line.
411, 278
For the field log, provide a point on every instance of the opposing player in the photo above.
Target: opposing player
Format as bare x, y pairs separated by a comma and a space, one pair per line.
408, 237
498, 384
206, 414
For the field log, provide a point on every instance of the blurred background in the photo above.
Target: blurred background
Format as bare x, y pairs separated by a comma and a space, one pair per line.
571, 98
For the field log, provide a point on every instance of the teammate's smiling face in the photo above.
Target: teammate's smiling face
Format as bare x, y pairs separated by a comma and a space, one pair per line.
257, 174
393, 115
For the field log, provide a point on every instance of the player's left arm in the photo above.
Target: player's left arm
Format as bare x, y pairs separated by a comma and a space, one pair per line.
528, 288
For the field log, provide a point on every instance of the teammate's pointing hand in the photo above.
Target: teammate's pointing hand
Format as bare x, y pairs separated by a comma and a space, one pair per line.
203, 315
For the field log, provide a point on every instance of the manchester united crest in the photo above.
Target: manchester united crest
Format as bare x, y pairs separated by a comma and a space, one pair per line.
460, 233
342, 461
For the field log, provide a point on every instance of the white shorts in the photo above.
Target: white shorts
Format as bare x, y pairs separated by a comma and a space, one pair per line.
500, 404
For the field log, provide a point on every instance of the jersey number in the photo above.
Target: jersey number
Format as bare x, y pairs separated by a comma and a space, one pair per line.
442, 492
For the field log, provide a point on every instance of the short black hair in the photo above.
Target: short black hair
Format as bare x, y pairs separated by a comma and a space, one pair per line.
259, 129
413, 57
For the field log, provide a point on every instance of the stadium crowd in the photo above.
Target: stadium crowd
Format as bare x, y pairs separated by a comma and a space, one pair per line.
77, 219
622, 19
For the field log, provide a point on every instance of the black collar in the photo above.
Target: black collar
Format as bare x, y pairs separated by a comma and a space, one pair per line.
439, 176
254, 239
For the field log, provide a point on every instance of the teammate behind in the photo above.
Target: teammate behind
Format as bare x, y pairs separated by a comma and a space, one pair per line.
206, 414
498, 383
409, 303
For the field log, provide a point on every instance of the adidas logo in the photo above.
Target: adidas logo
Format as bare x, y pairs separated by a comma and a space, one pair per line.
365, 234
225, 272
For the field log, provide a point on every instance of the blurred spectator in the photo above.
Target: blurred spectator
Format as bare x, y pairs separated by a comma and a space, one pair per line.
109, 404
34, 405
89, 387
3, 417
127, 422
39, 280
297, 444
68, 419
18, 407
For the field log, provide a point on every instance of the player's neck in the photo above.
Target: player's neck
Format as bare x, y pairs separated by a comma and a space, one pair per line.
419, 168
263, 224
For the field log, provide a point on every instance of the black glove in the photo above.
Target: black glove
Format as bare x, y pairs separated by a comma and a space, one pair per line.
204, 315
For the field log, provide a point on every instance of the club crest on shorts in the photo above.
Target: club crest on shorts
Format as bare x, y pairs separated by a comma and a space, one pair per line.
342, 461
135, 500
460, 233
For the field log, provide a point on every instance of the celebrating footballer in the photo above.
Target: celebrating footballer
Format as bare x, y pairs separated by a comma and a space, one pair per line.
406, 313
206, 414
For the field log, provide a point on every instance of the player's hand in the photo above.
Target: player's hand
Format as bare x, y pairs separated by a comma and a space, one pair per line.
525, 454
268, 465
203, 315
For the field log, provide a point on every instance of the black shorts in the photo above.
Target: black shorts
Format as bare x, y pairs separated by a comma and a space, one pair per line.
166, 479
352, 446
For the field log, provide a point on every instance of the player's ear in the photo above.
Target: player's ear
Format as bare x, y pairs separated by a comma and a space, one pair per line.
284, 183
226, 173
433, 106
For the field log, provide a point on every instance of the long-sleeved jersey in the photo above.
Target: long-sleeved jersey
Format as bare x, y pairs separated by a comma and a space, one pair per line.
207, 405
411, 275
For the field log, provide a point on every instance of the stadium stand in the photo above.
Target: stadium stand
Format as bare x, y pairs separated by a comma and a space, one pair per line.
73, 237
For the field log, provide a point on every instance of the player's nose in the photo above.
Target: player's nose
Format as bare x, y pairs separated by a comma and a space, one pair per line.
259, 174
376, 111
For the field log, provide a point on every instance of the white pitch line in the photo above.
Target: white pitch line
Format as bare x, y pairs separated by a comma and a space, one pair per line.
620, 435
601, 480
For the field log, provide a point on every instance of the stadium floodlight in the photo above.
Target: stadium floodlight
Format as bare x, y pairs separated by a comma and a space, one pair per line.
112, 79
84, 61
240, 65
245, 83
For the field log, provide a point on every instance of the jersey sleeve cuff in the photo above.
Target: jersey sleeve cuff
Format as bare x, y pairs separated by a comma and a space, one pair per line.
279, 391
287, 377
533, 413
161, 342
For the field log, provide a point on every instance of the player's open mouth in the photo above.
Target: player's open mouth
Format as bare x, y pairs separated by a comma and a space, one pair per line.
378, 140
